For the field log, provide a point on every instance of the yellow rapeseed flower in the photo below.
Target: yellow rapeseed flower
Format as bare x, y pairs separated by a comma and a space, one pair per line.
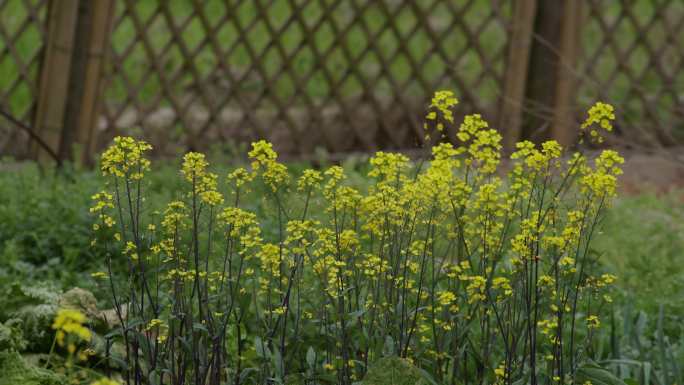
69, 322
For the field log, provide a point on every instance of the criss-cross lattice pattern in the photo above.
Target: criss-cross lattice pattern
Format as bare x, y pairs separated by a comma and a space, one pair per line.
344, 75
22, 33
634, 59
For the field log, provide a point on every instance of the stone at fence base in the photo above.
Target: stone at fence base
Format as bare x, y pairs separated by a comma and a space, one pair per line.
81, 300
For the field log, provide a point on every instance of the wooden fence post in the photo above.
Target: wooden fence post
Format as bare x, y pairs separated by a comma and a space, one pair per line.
71, 75
53, 91
551, 78
83, 106
564, 127
510, 118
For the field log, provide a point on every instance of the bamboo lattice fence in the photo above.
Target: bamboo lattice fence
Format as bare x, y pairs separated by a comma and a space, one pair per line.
345, 75
22, 36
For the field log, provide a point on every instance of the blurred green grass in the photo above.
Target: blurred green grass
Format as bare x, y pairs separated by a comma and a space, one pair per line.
643, 243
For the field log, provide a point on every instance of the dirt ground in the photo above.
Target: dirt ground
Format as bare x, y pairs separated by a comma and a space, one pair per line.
659, 172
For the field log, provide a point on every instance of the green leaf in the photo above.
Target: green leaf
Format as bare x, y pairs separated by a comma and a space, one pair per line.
388, 349
277, 361
200, 327
597, 375
261, 348
311, 357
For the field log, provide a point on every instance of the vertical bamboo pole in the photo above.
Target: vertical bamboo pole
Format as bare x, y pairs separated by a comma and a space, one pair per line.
86, 89
515, 80
71, 76
551, 80
54, 75
542, 76
564, 127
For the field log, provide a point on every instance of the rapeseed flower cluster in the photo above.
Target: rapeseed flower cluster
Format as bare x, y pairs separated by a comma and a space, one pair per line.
125, 158
603, 180
204, 183
264, 162
428, 261
103, 202
70, 331
601, 116
310, 179
442, 104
